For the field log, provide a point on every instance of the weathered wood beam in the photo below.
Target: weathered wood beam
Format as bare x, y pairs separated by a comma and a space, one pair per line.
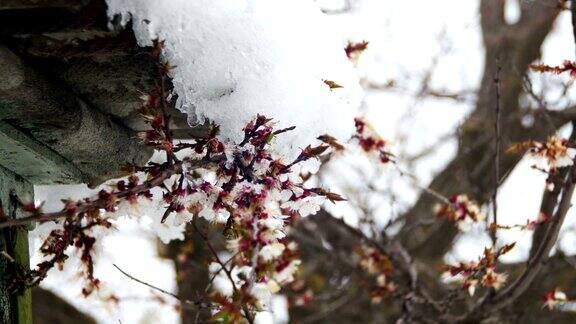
42, 110
105, 68
33, 160
35, 4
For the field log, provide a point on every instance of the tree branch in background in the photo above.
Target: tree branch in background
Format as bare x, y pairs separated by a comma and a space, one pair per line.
516, 46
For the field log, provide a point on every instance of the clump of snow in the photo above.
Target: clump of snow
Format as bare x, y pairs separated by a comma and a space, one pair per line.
238, 58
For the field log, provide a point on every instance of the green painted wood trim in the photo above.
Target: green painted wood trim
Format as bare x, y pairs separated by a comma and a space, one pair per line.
14, 309
22, 256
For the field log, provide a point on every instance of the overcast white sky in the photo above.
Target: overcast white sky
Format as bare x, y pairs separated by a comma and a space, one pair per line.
404, 37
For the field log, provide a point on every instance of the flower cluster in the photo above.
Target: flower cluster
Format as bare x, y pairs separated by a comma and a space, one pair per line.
243, 188
369, 140
554, 153
75, 232
551, 155
460, 209
257, 197
472, 274
378, 265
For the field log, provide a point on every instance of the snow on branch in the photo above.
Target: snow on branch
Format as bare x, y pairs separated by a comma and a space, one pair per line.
235, 59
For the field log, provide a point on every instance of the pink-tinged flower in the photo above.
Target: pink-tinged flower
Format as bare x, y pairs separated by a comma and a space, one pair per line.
378, 266
554, 298
286, 274
376, 299
461, 210
222, 285
373, 262
382, 280
305, 298
542, 218
493, 279
166, 231
214, 210
370, 141
370, 265
471, 274
555, 153
305, 206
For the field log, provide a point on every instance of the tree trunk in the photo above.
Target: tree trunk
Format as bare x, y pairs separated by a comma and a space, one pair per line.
49, 308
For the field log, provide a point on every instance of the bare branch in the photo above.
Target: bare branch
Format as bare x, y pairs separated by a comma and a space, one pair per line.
497, 139
198, 304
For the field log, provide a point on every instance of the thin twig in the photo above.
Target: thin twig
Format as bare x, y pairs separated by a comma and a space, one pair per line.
99, 203
218, 271
427, 190
7, 256
399, 256
198, 304
493, 232
573, 11
247, 314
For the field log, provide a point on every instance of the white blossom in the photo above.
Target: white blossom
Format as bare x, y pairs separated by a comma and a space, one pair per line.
261, 291
471, 285
222, 285
305, 206
271, 251
286, 275
214, 267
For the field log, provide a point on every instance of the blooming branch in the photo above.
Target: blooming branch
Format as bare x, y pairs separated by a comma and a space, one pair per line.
461, 210
472, 274
567, 66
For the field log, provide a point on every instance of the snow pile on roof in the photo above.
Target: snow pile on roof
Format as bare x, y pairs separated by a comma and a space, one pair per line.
238, 58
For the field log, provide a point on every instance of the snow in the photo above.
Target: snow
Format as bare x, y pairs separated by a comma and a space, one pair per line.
238, 58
